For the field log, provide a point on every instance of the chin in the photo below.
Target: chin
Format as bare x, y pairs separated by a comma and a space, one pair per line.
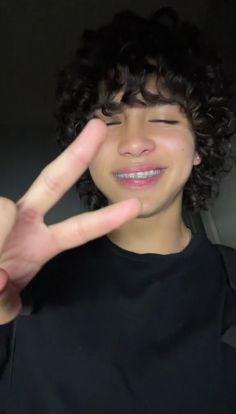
149, 212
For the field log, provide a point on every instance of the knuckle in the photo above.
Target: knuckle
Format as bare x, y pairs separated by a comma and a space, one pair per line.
51, 183
78, 158
82, 232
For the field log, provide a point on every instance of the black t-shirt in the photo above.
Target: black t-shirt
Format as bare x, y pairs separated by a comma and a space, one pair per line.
114, 332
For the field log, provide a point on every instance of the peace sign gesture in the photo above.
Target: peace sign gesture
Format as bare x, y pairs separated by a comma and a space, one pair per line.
27, 243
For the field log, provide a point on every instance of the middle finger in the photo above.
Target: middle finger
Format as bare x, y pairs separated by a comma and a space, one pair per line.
58, 176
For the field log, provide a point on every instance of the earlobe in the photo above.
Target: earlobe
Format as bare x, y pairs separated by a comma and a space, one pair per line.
197, 159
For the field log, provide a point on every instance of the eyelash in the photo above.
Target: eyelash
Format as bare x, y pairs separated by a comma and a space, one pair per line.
165, 121
112, 123
170, 122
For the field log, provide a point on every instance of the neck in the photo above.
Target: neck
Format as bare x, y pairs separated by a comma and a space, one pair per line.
161, 233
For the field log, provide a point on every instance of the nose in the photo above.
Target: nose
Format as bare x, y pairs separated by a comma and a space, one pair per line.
134, 142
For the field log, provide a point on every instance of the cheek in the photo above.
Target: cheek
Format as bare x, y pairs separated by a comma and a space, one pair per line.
180, 146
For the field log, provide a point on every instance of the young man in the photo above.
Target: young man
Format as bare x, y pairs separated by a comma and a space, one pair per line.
129, 317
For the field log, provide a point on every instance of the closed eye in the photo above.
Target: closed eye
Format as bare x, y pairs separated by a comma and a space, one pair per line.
112, 123
165, 121
104, 120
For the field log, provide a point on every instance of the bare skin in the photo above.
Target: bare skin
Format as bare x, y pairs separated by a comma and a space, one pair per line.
27, 243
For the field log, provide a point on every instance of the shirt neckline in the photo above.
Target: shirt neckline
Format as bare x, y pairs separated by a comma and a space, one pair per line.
187, 251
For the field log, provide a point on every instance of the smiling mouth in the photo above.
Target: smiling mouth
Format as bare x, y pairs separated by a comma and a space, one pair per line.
139, 180
139, 175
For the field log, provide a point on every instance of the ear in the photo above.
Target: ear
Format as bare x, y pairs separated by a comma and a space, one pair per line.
197, 159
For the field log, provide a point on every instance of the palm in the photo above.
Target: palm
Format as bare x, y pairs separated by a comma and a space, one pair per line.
29, 245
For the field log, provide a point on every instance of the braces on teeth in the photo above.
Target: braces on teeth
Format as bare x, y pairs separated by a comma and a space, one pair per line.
140, 174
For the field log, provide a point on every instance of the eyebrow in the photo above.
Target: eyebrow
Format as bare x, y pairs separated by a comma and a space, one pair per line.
111, 107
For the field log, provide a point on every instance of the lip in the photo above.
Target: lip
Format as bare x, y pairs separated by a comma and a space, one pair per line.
138, 168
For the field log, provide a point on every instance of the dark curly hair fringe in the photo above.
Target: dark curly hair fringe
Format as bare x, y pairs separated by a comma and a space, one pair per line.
124, 54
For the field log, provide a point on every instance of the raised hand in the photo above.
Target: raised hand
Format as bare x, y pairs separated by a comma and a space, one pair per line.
27, 243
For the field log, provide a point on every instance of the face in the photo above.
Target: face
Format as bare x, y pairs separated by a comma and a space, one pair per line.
157, 136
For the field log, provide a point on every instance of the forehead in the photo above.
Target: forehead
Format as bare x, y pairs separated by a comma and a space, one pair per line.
116, 105
151, 92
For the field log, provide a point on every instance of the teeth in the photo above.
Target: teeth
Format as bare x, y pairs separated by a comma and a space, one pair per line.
147, 174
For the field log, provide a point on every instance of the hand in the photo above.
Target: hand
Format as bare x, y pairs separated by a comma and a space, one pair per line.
27, 243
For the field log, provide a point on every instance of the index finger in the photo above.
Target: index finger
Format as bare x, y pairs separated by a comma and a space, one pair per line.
58, 176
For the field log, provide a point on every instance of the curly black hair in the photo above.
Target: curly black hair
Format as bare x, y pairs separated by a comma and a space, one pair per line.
126, 52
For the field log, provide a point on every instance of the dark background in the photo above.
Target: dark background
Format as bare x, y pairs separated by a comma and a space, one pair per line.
37, 38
